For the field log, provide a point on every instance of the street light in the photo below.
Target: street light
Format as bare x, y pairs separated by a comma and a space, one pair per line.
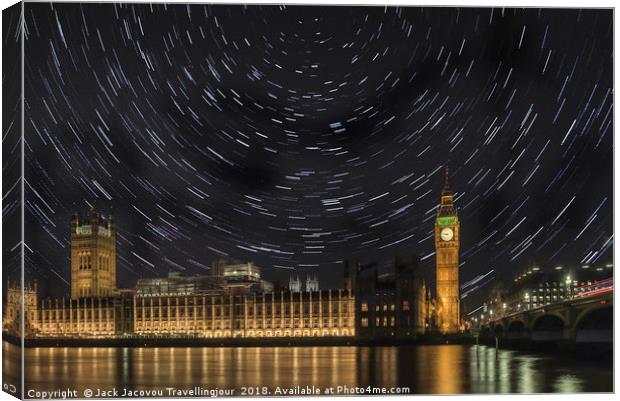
569, 287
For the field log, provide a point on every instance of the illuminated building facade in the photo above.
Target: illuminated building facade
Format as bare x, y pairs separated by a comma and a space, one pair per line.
240, 278
11, 321
275, 314
176, 284
80, 317
202, 315
93, 256
539, 286
248, 272
447, 263
232, 302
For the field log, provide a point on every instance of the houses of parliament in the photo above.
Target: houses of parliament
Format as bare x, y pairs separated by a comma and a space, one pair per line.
233, 301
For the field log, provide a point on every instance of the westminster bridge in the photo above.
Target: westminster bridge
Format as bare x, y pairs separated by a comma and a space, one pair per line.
578, 321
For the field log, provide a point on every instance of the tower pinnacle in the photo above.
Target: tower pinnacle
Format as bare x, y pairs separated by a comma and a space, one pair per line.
446, 184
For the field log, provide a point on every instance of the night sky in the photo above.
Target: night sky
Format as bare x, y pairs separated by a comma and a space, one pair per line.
297, 137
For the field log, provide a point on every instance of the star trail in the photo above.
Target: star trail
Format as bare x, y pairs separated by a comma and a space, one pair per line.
297, 137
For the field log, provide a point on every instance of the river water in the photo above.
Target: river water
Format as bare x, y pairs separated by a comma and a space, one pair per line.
433, 369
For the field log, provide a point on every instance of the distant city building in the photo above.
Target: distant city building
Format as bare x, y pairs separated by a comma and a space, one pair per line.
538, 286
217, 267
240, 277
247, 272
93, 256
176, 284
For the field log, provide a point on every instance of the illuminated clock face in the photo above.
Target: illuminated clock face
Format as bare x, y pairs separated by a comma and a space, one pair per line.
447, 234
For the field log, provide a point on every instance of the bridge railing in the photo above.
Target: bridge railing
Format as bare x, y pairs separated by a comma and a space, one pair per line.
584, 292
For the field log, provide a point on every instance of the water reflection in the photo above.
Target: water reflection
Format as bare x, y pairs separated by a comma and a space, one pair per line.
11, 369
443, 369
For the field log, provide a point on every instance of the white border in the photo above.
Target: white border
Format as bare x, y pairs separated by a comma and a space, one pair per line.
464, 3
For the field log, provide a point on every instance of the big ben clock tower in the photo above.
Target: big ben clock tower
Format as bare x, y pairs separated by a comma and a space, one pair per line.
447, 262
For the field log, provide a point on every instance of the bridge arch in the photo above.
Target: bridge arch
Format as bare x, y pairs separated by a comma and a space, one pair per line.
548, 327
515, 329
498, 330
516, 326
594, 325
548, 320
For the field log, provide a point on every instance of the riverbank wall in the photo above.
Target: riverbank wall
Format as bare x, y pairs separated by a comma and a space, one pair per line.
237, 342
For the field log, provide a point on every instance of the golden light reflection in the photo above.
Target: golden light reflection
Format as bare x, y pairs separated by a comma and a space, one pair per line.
258, 358
238, 355
444, 369
315, 364
295, 368
276, 364
425, 369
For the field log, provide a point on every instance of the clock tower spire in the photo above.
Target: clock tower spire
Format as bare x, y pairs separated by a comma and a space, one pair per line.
447, 261
446, 181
